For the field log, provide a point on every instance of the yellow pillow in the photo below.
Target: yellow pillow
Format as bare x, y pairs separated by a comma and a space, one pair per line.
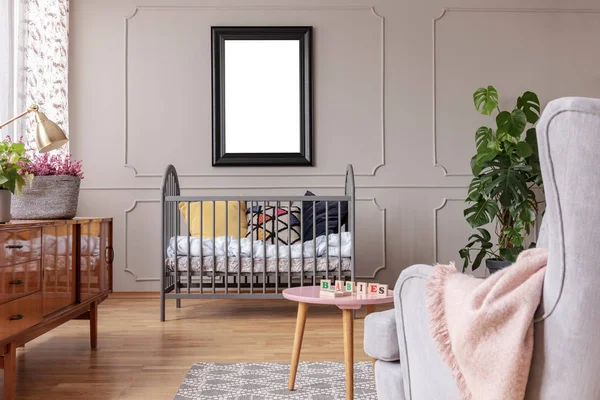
235, 215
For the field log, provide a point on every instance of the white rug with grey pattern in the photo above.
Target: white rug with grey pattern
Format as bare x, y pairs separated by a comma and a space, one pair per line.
257, 381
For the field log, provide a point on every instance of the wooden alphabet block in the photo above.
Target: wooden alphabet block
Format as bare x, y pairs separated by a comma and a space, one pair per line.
339, 286
349, 287
373, 288
361, 287
325, 284
382, 290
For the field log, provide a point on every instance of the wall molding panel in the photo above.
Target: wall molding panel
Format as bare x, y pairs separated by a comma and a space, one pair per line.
384, 241
444, 203
126, 243
447, 11
370, 9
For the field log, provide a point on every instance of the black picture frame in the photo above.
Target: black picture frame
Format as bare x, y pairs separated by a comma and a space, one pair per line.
219, 34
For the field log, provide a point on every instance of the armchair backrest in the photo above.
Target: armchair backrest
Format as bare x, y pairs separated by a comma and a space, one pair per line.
566, 359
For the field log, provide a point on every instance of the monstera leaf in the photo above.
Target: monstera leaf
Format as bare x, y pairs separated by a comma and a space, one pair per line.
524, 149
483, 136
512, 123
511, 253
481, 213
509, 184
475, 188
530, 105
485, 100
531, 138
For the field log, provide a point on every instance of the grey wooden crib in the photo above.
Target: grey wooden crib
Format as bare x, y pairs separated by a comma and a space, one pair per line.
247, 260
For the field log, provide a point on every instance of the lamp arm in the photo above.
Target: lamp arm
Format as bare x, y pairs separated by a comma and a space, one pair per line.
30, 109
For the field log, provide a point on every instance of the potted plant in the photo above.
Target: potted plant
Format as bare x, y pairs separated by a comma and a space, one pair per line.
505, 169
54, 191
13, 175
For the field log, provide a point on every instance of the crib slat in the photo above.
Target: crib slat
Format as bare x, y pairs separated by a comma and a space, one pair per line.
252, 247
352, 222
289, 240
226, 280
276, 223
189, 252
326, 239
239, 260
201, 255
301, 244
314, 242
174, 234
176, 270
214, 254
340, 241
264, 220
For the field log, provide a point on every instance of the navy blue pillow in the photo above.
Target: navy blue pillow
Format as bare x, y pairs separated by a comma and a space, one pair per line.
319, 211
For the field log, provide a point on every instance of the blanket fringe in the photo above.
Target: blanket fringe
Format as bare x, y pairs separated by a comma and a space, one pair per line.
438, 324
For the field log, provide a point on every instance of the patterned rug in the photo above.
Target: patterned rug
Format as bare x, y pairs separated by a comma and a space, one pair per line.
257, 381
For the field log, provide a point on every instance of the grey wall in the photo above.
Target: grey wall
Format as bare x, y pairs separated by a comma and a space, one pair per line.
393, 86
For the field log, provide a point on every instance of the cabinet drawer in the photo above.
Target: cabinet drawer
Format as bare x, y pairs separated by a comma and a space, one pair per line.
19, 280
20, 314
20, 246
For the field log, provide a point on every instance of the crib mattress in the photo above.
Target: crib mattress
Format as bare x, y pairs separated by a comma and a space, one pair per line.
296, 264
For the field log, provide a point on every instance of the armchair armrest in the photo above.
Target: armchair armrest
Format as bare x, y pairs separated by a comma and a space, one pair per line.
381, 339
424, 373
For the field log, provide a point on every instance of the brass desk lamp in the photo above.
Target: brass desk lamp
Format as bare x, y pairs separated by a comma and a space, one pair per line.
48, 135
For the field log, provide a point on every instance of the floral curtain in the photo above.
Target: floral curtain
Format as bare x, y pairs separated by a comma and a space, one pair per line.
45, 63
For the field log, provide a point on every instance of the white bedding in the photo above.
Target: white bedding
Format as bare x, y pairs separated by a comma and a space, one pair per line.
247, 246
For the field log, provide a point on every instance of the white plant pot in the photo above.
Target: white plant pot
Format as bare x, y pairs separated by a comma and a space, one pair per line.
5, 197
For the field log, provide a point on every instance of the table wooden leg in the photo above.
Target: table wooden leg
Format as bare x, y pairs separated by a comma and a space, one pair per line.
94, 325
10, 372
349, 352
300, 322
371, 309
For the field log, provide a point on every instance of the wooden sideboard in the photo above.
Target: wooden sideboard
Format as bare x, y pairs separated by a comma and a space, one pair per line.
50, 272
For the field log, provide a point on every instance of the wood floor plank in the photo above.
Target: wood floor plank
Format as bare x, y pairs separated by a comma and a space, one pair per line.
139, 357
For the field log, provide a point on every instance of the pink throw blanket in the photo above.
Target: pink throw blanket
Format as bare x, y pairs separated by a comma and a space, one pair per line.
484, 327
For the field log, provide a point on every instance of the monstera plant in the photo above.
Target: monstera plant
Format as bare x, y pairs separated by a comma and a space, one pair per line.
505, 170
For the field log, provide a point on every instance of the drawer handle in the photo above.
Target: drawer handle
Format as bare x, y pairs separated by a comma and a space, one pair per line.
16, 317
17, 282
109, 255
14, 246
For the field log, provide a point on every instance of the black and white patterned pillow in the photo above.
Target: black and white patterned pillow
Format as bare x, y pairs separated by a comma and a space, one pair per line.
262, 224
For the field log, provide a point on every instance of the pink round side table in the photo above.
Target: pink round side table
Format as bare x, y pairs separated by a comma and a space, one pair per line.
306, 295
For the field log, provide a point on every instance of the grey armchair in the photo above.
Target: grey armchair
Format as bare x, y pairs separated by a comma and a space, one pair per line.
566, 359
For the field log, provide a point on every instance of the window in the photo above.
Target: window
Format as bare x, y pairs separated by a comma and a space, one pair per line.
7, 78
33, 64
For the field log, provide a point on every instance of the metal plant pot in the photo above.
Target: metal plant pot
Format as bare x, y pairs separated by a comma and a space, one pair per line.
496, 265
49, 197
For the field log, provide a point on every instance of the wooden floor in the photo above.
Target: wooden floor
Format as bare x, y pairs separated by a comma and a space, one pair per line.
139, 357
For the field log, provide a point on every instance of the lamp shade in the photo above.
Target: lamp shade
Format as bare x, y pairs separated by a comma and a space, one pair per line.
48, 135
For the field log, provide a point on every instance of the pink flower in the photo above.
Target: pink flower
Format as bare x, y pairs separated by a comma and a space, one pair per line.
52, 164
